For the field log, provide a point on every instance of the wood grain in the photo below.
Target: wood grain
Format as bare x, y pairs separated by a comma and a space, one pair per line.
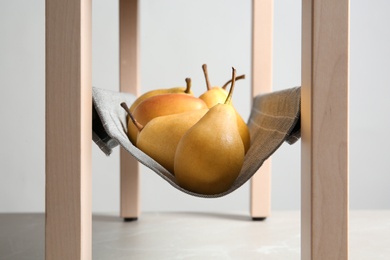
325, 83
129, 82
68, 229
262, 27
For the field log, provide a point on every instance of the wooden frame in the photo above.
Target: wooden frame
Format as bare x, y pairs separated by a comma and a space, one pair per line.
325, 83
68, 129
324, 159
262, 13
129, 82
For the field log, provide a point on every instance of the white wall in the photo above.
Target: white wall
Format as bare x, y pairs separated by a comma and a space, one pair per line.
213, 32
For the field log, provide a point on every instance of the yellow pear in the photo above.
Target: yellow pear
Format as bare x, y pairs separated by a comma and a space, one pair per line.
160, 136
182, 90
215, 95
210, 155
162, 105
244, 132
218, 95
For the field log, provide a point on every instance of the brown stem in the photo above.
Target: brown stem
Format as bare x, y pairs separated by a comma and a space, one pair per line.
206, 75
229, 81
188, 86
135, 122
229, 97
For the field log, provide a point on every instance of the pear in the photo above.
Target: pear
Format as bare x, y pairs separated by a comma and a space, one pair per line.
216, 95
162, 105
182, 90
244, 132
160, 137
210, 155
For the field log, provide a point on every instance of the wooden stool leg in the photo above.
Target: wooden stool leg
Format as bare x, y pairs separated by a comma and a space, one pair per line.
129, 82
262, 13
325, 59
68, 231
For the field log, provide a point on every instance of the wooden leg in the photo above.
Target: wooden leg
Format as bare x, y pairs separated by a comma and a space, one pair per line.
68, 231
325, 62
260, 202
129, 82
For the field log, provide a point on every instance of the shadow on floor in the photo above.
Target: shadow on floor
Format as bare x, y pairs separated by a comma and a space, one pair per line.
101, 217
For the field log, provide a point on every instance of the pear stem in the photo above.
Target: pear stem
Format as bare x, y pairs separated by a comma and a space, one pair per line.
229, 81
206, 75
229, 97
135, 122
188, 86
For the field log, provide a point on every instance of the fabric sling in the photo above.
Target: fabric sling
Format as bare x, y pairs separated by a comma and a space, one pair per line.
274, 119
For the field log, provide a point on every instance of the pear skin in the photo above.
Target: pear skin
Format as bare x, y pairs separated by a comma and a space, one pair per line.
160, 136
213, 96
244, 132
209, 157
179, 90
218, 95
162, 105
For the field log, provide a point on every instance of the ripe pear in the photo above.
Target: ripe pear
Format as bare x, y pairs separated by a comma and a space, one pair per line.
182, 90
217, 95
244, 132
210, 155
162, 105
160, 136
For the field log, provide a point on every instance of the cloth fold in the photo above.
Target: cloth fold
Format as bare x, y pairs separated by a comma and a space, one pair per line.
274, 119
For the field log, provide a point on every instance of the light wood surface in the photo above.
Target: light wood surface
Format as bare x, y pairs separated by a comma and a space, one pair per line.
325, 59
68, 129
129, 82
262, 27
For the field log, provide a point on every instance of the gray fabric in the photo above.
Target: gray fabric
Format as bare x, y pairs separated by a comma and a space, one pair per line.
274, 118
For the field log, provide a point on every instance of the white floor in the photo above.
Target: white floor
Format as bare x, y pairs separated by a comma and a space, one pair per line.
196, 235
